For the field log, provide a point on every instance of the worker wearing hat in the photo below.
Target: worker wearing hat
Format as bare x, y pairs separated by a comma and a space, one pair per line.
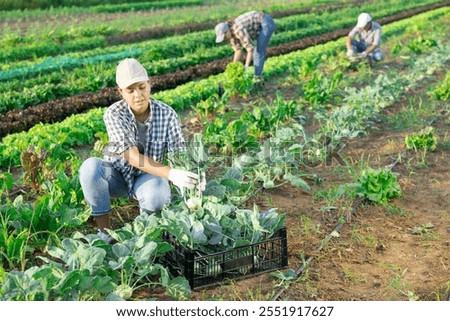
242, 32
141, 131
369, 39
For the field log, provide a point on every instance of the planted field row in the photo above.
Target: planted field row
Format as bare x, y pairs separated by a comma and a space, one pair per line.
94, 6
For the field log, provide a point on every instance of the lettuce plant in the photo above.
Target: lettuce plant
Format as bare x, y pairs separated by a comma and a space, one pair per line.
442, 92
426, 139
237, 81
378, 185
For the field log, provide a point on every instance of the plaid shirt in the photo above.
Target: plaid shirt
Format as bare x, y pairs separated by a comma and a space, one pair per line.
245, 29
164, 135
370, 37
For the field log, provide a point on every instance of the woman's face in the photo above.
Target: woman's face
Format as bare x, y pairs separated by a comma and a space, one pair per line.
137, 96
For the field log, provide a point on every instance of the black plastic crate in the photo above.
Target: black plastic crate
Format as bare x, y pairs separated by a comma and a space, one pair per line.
202, 270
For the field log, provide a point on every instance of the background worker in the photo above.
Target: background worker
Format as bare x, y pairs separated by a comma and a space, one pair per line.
242, 32
141, 130
369, 39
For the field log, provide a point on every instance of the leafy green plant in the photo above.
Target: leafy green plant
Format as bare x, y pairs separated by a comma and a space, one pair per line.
51, 281
397, 48
442, 92
216, 227
13, 240
6, 183
86, 268
426, 139
420, 44
378, 185
352, 277
285, 277
319, 87
230, 187
263, 119
57, 138
230, 136
277, 160
100, 143
212, 105
135, 258
237, 81
305, 67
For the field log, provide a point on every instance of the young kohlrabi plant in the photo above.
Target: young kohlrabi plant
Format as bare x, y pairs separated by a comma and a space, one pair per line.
217, 227
193, 159
277, 161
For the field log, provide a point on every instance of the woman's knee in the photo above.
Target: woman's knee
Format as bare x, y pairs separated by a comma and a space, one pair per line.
90, 170
155, 198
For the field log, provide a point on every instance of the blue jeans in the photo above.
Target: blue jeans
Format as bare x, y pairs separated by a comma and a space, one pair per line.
358, 46
100, 181
259, 54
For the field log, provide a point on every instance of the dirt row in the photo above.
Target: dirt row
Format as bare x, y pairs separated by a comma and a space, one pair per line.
57, 110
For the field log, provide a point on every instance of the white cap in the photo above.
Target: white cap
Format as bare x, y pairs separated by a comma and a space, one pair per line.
221, 29
130, 71
363, 20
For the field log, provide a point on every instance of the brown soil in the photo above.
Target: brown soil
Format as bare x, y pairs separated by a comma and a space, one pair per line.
377, 245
